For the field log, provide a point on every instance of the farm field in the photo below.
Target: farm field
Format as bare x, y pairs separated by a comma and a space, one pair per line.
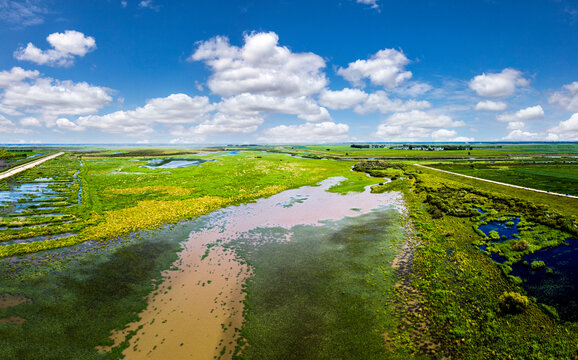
289, 257
561, 178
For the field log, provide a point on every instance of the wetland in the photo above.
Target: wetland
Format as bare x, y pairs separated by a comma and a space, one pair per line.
253, 254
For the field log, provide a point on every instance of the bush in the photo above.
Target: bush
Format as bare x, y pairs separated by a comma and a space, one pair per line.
494, 235
521, 245
537, 265
513, 303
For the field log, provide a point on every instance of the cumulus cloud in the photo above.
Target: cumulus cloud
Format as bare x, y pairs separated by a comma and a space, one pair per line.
342, 99
565, 130
253, 104
15, 75
51, 97
261, 66
529, 113
567, 97
495, 85
379, 101
488, 105
520, 135
8, 127
309, 133
372, 3
417, 126
516, 125
173, 109
22, 13
66, 124
30, 121
385, 68
65, 46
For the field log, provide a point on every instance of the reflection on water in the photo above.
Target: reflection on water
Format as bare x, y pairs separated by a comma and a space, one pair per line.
197, 311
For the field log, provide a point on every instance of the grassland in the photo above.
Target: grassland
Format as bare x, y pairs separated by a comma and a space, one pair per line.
561, 178
462, 288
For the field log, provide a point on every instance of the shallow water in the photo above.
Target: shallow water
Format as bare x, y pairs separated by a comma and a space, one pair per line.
558, 289
503, 230
196, 312
174, 163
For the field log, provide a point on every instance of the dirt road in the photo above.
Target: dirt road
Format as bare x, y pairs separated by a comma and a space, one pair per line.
496, 182
25, 167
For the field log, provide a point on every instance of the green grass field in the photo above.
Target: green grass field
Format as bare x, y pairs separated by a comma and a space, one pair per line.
559, 178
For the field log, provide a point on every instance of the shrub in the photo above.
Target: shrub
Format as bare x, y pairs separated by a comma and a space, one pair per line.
537, 265
513, 303
510, 223
494, 235
520, 245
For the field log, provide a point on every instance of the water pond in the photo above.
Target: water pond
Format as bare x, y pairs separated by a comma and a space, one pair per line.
174, 163
506, 229
556, 287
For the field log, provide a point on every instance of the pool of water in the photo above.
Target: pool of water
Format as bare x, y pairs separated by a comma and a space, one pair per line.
558, 288
505, 231
174, 163
20, 196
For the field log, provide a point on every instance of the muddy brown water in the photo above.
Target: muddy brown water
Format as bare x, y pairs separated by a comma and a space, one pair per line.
197, 310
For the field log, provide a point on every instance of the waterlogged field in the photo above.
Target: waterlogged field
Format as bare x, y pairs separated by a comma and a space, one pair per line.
558, 177
473, 270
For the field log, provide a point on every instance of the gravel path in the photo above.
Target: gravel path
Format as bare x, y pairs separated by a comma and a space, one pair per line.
25, 167
499, 183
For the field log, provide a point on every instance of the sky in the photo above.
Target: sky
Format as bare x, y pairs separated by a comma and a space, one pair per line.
274, 72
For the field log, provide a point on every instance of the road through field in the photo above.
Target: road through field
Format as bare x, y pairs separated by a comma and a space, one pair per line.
499, 183
25, 167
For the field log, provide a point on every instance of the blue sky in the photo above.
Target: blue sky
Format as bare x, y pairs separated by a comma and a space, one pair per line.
202, 72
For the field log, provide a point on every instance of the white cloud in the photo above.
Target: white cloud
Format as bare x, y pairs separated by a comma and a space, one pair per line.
22, 13
520, 135
8, 127
52, 97
221, 124
385, 68
65, 46
123, 3
260, 67
66, 124
173, 109
566, 130
413, 89
516, 125
494, 85
567, 98
304, 107
149, 4
443, 135
30, 121
417, 126
16, 74
422, 119
342, 99
380, 102
372, 3
309, 133
488, 105
529, 113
